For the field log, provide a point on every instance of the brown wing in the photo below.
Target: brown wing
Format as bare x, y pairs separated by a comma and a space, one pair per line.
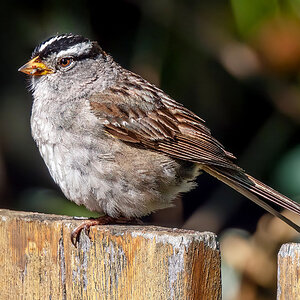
152, 120
158, 123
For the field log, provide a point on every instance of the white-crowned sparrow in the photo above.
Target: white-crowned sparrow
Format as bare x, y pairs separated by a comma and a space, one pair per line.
116, 143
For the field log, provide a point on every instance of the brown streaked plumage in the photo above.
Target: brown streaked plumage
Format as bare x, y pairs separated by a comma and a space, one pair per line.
119, 145
168, 127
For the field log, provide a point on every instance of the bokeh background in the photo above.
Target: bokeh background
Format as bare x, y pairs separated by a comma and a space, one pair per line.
234, 63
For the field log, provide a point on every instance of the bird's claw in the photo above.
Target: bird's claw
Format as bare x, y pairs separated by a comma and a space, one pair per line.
104, 220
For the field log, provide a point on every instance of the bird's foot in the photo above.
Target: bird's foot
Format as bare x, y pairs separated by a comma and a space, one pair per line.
103, 220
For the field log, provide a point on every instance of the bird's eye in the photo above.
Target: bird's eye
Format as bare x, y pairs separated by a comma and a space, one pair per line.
65, 61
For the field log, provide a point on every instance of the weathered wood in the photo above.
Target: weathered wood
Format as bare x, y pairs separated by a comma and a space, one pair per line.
289, 272
38, 261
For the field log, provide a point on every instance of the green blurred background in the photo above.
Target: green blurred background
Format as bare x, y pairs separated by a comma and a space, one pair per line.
234, 63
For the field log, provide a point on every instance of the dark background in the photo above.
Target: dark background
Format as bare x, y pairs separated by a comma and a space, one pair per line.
234, 63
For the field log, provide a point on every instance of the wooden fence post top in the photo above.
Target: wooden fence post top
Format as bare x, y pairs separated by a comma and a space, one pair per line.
288, 272
38, 261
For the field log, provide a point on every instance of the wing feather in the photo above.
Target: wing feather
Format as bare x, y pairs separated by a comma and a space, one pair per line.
149, 118
169, 128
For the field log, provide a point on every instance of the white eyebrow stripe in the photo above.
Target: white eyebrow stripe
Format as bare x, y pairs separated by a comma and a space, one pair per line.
77, 49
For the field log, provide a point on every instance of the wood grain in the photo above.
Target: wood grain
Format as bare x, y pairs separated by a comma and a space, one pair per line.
289, 272
38, 261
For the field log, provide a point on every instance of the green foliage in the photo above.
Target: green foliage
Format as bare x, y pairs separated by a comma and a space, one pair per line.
295, 6
250, 14
287, 173
48, 201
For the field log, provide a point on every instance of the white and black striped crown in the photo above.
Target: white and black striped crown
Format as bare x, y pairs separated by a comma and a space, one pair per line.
68, 45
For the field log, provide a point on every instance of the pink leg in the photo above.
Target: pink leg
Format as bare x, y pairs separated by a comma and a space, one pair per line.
103, 220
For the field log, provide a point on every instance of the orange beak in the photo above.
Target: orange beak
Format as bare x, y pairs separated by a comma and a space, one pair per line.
35, 67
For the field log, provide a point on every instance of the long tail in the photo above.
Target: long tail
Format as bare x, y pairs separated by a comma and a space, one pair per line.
256, 191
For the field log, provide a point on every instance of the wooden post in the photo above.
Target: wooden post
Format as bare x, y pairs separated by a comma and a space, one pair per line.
288, 272
38, 261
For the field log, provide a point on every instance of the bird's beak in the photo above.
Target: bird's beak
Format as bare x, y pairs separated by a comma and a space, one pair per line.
35, 67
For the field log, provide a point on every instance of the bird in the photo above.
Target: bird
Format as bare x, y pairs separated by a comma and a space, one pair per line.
118, 144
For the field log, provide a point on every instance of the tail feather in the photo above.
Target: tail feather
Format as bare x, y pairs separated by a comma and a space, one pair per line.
274, 196
256, 191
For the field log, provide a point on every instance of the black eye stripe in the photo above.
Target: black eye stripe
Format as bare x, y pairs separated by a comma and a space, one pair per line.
59, 44
65, 42
92, 53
